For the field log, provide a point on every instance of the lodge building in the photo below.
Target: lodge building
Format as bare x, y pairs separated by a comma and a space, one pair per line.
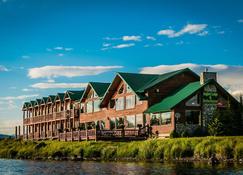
132, 106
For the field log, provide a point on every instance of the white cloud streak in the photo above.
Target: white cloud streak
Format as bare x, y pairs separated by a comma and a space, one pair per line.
150, 38
121, 46
3, 69
58, 85
230, 76
20, 97
131, 38
240, 20
188, 29
68, 71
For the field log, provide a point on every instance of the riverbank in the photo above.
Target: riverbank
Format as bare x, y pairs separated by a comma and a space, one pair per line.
224, 148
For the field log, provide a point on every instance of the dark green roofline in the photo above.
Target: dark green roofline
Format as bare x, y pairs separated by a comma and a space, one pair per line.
98, 87
136, 81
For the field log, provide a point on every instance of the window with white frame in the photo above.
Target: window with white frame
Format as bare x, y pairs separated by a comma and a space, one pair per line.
120, 103
89, 107
130, 119
194, 101
139, 120
165, 118
130, 101
96, 105
128, 89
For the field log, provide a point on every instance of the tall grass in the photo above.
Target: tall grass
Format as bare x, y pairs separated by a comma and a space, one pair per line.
153, 149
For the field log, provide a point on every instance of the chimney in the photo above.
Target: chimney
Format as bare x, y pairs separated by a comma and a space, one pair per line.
205, 76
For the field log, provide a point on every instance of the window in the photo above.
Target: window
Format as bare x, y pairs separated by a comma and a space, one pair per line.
112, 103
138, 102
194, 101
139, 120
96, 105
120, 103
90, 94
112, 123
130, 121
161, 119
130, 101
120, 122
192, 117
155, 119
120, 91
89, 107
128, 89
166, 118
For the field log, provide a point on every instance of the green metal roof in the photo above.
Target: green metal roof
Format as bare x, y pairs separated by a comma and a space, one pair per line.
75, 95
61, 96
52, 97
44, 100
176, 97
99, 88
163, 77
136, 81
26, 105
38, 102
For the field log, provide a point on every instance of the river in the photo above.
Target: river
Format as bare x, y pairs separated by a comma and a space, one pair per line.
28, 167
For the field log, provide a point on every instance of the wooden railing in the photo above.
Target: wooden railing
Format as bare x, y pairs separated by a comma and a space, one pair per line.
93, 134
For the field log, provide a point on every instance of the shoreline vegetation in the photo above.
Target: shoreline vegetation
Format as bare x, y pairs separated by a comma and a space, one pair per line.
177, 149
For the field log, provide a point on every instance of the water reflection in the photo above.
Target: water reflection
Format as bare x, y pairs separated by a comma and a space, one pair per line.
20, 167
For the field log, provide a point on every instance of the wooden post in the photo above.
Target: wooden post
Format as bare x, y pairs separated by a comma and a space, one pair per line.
16, 132
86, 129
79, 135
19, 132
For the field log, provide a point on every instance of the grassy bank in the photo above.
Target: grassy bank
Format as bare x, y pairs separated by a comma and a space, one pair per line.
167, 149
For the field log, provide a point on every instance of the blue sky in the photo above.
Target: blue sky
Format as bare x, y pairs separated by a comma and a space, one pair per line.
51, 46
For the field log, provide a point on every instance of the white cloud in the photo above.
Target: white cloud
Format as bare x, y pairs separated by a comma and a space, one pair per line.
60, 54
167, 32
204, 33
58, 48
111, 38
150, 38
3, 69
58, 85
20, 97
68, 71
240, 20
120, 46
26, 57
221, 32
48, 49
106, 44
229, 76
131, 38
68, 49
27, 90
158, 44
188, 29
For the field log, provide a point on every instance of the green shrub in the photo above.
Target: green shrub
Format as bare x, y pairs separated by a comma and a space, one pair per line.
109, 152
238, 151
92, 152
224, 149
174, 134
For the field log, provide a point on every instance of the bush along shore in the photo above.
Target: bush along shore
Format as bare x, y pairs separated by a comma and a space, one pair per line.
201, 148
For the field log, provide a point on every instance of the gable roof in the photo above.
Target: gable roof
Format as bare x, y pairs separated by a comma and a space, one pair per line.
141, 82
165, 76
60, 96
51, 98
74, 95
181, 94
25, 105
44, 100
37, 102
98, 87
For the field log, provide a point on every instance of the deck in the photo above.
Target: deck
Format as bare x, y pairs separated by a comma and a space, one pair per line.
91, 134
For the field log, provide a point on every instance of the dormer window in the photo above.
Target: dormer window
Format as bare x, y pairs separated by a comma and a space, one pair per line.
120, 91
194, 101
128, 89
